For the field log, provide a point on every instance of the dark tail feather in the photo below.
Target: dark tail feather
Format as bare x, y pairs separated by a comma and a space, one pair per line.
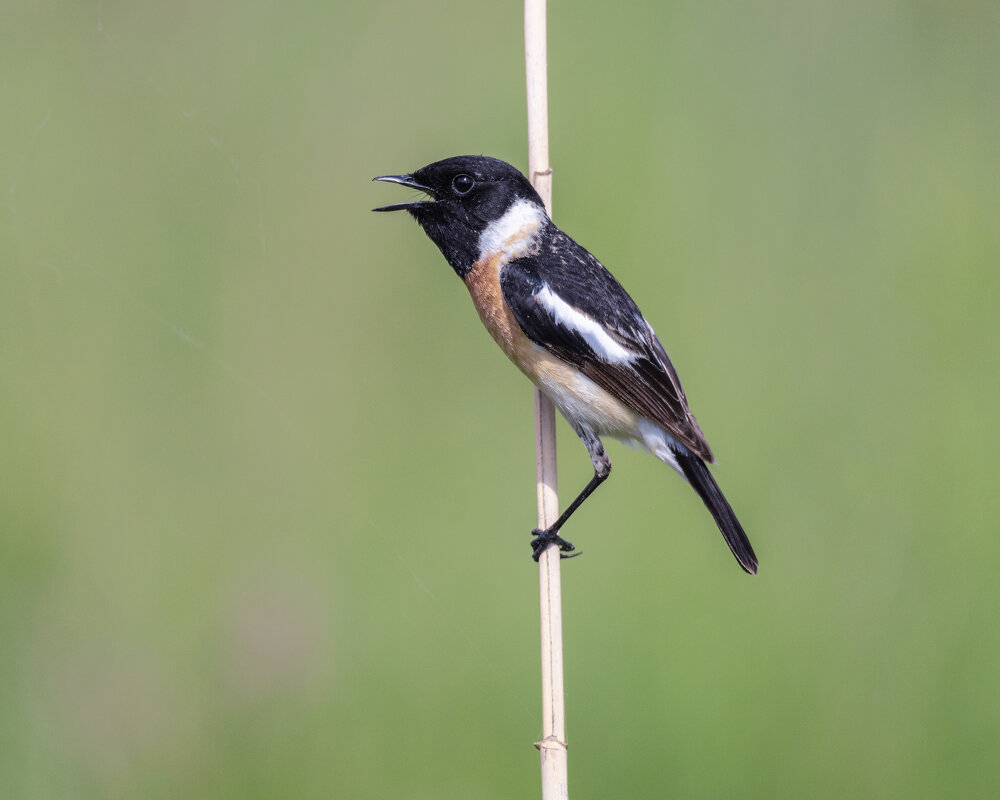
704, 484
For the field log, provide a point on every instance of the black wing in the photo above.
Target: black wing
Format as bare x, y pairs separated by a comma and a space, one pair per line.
645, 381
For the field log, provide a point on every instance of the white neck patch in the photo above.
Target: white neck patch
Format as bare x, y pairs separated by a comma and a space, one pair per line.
513, 235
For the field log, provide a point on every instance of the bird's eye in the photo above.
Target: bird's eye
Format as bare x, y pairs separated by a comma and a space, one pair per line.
462, 184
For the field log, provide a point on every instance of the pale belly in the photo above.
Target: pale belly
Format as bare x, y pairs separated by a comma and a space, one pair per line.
584, 404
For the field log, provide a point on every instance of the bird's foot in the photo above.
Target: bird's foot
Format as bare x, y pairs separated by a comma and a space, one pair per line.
544, 538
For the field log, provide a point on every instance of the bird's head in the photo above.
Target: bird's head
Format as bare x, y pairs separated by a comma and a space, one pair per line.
472, 201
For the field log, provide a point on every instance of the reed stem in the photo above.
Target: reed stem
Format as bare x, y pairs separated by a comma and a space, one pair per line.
552, 747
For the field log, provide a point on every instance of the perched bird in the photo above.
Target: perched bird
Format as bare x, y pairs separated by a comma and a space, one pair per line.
567, 324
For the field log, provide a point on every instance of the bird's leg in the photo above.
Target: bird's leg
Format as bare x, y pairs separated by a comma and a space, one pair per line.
602, 468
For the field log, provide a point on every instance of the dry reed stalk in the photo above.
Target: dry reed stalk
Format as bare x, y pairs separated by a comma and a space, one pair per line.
552, 747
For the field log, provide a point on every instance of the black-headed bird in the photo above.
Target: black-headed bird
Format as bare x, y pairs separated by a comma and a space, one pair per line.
567, 324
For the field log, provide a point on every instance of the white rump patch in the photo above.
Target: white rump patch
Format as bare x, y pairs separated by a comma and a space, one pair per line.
600, 341
660, 443
514, 233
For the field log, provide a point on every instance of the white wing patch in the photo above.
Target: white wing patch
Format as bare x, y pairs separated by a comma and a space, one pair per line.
513, 234
600, 341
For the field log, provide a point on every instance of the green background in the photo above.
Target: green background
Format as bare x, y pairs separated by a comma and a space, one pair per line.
266, 485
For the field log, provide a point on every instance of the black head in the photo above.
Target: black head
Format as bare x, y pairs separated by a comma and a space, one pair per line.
468, 193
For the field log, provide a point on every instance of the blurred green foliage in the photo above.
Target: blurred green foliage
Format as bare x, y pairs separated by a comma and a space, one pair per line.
266, 486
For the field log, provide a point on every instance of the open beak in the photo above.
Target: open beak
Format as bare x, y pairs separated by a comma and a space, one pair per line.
404, 180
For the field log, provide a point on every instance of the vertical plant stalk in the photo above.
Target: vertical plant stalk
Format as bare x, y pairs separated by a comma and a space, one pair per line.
552, 747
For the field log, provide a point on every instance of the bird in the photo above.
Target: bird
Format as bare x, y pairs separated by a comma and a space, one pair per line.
567, 324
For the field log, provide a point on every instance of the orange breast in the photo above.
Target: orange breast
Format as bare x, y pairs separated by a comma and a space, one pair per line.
483, 282
576, 396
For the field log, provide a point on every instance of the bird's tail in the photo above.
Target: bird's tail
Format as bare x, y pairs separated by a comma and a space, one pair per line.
704, 484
